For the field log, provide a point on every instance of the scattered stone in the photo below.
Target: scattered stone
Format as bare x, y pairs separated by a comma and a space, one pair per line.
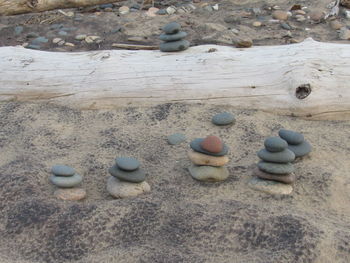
70, 194
286, 26
80, 37
196, 146
208, 8
127, 163
300, 12
57, 40
275, 144
208, 173
104, 6
70, 14
232, 19
212, 144
39, 40
223, 118
291, 137
152, 12
173, 37
92, 39
61, 43
284, 156
56, 26
174, 46
215, 7
62, 170
32, 46
204, 159
122, 189
256, 11
316, 15
347, 14
162, 12
18, 30
176, 138
300, 18
68, 44
270, 187
344, 33
62, 33
257, 24
276, 168
32, 35
172, 28
280, 15
123, 10
66, 181
336, 25
287, 179
171, 10
136, 176
243, 42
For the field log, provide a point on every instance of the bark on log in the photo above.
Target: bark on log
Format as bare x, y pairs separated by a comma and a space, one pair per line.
265, 78
15, 7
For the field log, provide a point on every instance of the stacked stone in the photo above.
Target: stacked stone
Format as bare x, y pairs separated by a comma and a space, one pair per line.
296, 142
66, 179
127, 179
208, 156
276, 161
173, 38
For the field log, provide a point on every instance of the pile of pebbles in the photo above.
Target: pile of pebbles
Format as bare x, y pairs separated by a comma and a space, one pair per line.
65, 178
208, 156
173, 38
296, 142
127, 179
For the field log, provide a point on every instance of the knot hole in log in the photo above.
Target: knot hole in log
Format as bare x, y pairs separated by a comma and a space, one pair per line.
303, 91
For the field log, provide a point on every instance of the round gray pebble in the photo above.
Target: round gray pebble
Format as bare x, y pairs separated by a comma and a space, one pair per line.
176, 138
224, 118
136, 176
286, 156
276, 168
173, 37
62, 170
275, 144
66, 181
301, 149
196, 146
174, 46
127, 163
172, 28
291, 137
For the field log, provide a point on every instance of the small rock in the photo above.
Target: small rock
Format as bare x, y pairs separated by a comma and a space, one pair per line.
62, 33
121, 189
61, 43
347, 14
280, 15
173, 37
285, 156
136, 176
152, 12
32, 35
344, 33
56, 26
215, 7
212, 144
66, 181
171, 10
127, 163
208, 173
300, 18
104, 6
223, 118
204, 159
243, 42
276, 168
80, 37
336, 25
174, 46
32, 46
232, 19
62, 170
300, 12
316, 15
275, 144
176, 138
172, 28
39, 40
256, 11
286, 26
287, 178
208, 8
291, 137
56, 40
18, 30
161, 12
70, 14
70, 194
196, 146
270, 187
123, 10
301, 149
92, 39
68, 44
257, 24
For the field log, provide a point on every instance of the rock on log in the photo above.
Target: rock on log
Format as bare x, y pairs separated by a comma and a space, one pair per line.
309, 79
15, 7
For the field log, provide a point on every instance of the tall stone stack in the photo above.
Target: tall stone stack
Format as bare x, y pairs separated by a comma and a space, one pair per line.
66, 179
208, 156
173, 38
296, 142
128, 179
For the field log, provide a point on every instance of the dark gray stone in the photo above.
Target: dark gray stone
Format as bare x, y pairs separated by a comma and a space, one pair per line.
276, 168
66, 181
136, 176
173, 37
62, 170
31, 46
286, 156
275, 144
176, 138
162, 12
127, 163
172, 28
32, 35
196, 146
301, 149
104, 6
285, 26
291, 137
223, 118
174, 46
39, 40
62, 33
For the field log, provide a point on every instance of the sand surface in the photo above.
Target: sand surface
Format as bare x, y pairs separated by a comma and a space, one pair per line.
181, 220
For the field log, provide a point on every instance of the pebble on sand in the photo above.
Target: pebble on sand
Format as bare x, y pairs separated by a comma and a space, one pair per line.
270, 187
122, 189
70, 194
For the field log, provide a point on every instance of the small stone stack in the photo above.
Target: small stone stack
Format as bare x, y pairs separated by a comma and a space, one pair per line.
127, 179
208, 156
65, 178
173, 38
296, 142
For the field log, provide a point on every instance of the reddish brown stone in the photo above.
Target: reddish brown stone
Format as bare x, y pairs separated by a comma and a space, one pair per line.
212, 144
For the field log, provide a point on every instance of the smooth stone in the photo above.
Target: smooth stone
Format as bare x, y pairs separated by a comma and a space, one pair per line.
18, 30
136, 176
127, 163
56, 26
121, 189
32, 35
70, 194
270, 187
57, 40
176, 138
287, 179
39, 40
173, 37
204, 159
301, 149
104, 6
62, 33
162, 12
224, 118
65, 181
208, 173
212, 144
62, 170
275, 144
196, 146
172, 28
291, 137
286, 156
280, 15
276, 168
286, 26
31, 46
174, 46
80, 37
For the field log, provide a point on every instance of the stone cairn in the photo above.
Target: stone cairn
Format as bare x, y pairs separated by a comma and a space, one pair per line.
208, 156
65, 178
296, 142
127, 179
173, 38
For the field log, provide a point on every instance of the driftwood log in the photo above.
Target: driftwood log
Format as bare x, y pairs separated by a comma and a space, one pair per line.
309, 79
15, 7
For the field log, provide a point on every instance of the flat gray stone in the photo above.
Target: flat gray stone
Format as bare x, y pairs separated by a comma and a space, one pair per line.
176, 138
291, 137
286, 156
173, 37
301, 149
284, 178
136, 176
275, 144
208, 173
39, 40
62, 170
174, 46
172, 28
276, 168
196, 146
270, 187
66, 181
223, 118
127, 163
